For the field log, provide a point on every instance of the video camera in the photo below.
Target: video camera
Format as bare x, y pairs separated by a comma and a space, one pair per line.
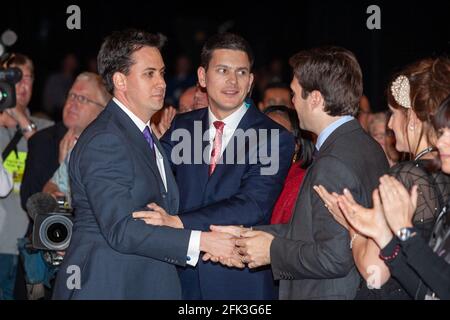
8, 76
53, 222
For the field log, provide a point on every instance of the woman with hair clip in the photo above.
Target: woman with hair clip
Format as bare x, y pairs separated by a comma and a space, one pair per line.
421, 265
304, 147
413, 97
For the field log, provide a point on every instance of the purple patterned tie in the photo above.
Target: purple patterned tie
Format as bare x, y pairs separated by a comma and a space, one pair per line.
148, 137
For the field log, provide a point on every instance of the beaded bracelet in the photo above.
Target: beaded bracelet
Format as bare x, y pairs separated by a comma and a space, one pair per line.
392, 256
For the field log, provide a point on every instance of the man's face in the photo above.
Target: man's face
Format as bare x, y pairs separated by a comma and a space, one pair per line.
227, 80
24, 88
300, 104
82, 105
145, 85
277, 97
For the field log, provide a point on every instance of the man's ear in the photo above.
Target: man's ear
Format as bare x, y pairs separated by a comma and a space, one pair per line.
252, 77
120, 81
316, 99
201, 74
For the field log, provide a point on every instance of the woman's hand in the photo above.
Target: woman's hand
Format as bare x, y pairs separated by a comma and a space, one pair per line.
331, 203
369, 222
399, 205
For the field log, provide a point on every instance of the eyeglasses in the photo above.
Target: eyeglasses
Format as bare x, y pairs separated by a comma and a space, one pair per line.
82, 99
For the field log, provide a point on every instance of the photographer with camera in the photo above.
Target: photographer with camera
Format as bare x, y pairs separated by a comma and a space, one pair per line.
46, 171
16, 127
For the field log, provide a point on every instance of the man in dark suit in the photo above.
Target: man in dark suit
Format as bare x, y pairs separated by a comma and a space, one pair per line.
117, 167
312, 256
237, 180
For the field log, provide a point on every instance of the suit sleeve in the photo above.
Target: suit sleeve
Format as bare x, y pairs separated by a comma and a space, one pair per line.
329, 255
107, 173
253, 202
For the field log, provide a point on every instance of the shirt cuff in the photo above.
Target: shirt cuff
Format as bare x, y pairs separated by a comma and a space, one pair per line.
194, 248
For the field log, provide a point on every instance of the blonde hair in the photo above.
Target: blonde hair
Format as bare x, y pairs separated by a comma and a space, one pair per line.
98, 82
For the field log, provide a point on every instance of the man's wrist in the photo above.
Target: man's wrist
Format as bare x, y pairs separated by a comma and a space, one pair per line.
204, 240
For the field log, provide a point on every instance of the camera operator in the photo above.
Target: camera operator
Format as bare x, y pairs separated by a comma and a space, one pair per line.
49, 152
16, 127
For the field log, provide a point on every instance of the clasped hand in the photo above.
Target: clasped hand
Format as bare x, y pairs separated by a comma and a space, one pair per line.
251, 247
232, 246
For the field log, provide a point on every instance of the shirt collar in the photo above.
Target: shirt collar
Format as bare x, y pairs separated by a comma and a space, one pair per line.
232, 121
330, 129
138, 122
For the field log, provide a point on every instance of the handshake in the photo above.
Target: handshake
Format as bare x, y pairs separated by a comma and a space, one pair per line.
235, 246
232, 246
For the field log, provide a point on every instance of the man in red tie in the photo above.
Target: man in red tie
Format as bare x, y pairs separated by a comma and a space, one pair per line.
229, 185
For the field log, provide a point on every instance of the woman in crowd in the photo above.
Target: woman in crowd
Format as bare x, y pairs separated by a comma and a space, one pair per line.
413, 97
422, 266
302, 159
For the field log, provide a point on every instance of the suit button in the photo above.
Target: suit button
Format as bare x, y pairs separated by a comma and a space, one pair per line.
163, 195
188, 258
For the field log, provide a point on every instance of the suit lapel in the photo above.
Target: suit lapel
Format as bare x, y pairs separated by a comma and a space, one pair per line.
172, 187
200, 169
135, 137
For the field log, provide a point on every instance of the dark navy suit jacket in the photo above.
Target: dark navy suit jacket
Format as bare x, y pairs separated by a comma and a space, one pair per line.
113, 174
235, 194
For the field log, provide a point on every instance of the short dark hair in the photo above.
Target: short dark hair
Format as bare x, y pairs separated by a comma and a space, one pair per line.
335, 73
115, 52
225, 40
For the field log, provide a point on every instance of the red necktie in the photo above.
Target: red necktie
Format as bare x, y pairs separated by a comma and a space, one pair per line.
217, 146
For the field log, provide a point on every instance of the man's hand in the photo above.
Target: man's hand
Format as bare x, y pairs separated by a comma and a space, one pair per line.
254, 248
236, 231
158, 217
66, 144
235, 261
20, 117
52, 189
220, 247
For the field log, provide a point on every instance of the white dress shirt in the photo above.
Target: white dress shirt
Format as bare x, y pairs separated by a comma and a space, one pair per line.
194, 240
231, 123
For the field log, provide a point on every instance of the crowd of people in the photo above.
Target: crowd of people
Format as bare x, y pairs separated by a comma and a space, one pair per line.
193, 190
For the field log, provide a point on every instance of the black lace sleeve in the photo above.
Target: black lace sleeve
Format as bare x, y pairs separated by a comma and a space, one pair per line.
433, 191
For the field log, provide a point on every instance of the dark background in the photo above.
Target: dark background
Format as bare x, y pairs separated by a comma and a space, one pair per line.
275, 29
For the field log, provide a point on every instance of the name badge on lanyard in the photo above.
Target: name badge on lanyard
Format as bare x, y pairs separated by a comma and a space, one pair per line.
15, 164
